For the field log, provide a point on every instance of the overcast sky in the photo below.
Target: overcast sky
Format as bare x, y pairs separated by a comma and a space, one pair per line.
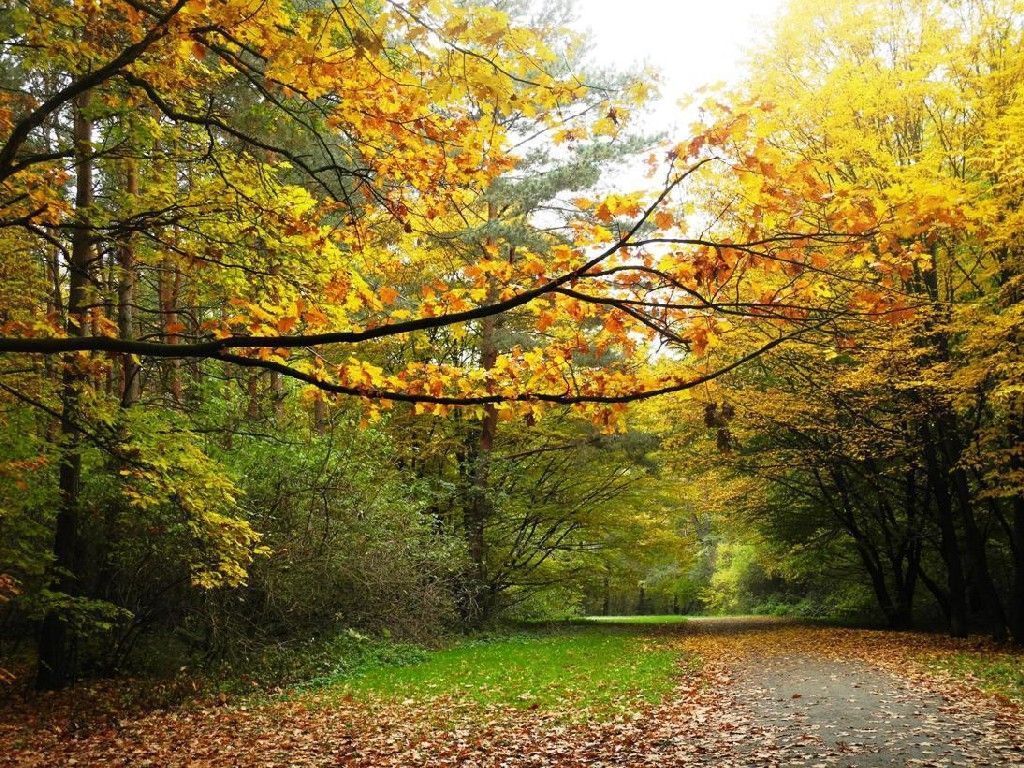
692, 42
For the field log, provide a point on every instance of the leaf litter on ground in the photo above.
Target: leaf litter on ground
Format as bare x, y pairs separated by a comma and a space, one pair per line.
733, 708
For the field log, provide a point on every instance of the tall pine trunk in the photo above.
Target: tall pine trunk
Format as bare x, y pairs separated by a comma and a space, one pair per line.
480, 600
57, 640
131, 384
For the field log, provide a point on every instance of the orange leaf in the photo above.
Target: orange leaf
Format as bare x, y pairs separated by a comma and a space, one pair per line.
664, 220
613, 324
314, 316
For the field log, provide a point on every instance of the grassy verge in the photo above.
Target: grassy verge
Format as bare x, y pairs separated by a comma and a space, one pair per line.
586, 672
656, 620
998, 673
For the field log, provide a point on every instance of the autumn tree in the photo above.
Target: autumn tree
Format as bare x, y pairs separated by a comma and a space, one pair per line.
896, 115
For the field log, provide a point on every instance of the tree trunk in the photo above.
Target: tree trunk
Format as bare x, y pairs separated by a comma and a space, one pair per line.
906, 588
57, 641
252, 384
906, 564
989, 604
478, 506
320, 414
949, 545
168, 284
277, 391
1015, 614
941, 595
131, 384
869, 559
478, 509
1017, 541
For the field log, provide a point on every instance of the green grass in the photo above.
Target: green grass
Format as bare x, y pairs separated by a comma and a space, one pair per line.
666, 619
583, 672
999, 673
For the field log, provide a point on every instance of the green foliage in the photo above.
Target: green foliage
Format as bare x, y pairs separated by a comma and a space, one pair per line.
353, 543
208, 542
28, 495
157, 513
166, 475
311, 664
734, 581
558, 602
90, 619
843, 602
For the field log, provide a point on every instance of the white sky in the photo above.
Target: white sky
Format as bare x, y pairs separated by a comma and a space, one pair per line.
691, 42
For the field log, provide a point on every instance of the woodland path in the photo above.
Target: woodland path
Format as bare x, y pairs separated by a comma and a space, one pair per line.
766, 694
817, 706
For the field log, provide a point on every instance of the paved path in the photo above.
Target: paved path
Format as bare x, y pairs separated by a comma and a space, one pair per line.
813, 705
862, 716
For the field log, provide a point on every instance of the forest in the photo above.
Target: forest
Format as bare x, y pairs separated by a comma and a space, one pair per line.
336, 333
